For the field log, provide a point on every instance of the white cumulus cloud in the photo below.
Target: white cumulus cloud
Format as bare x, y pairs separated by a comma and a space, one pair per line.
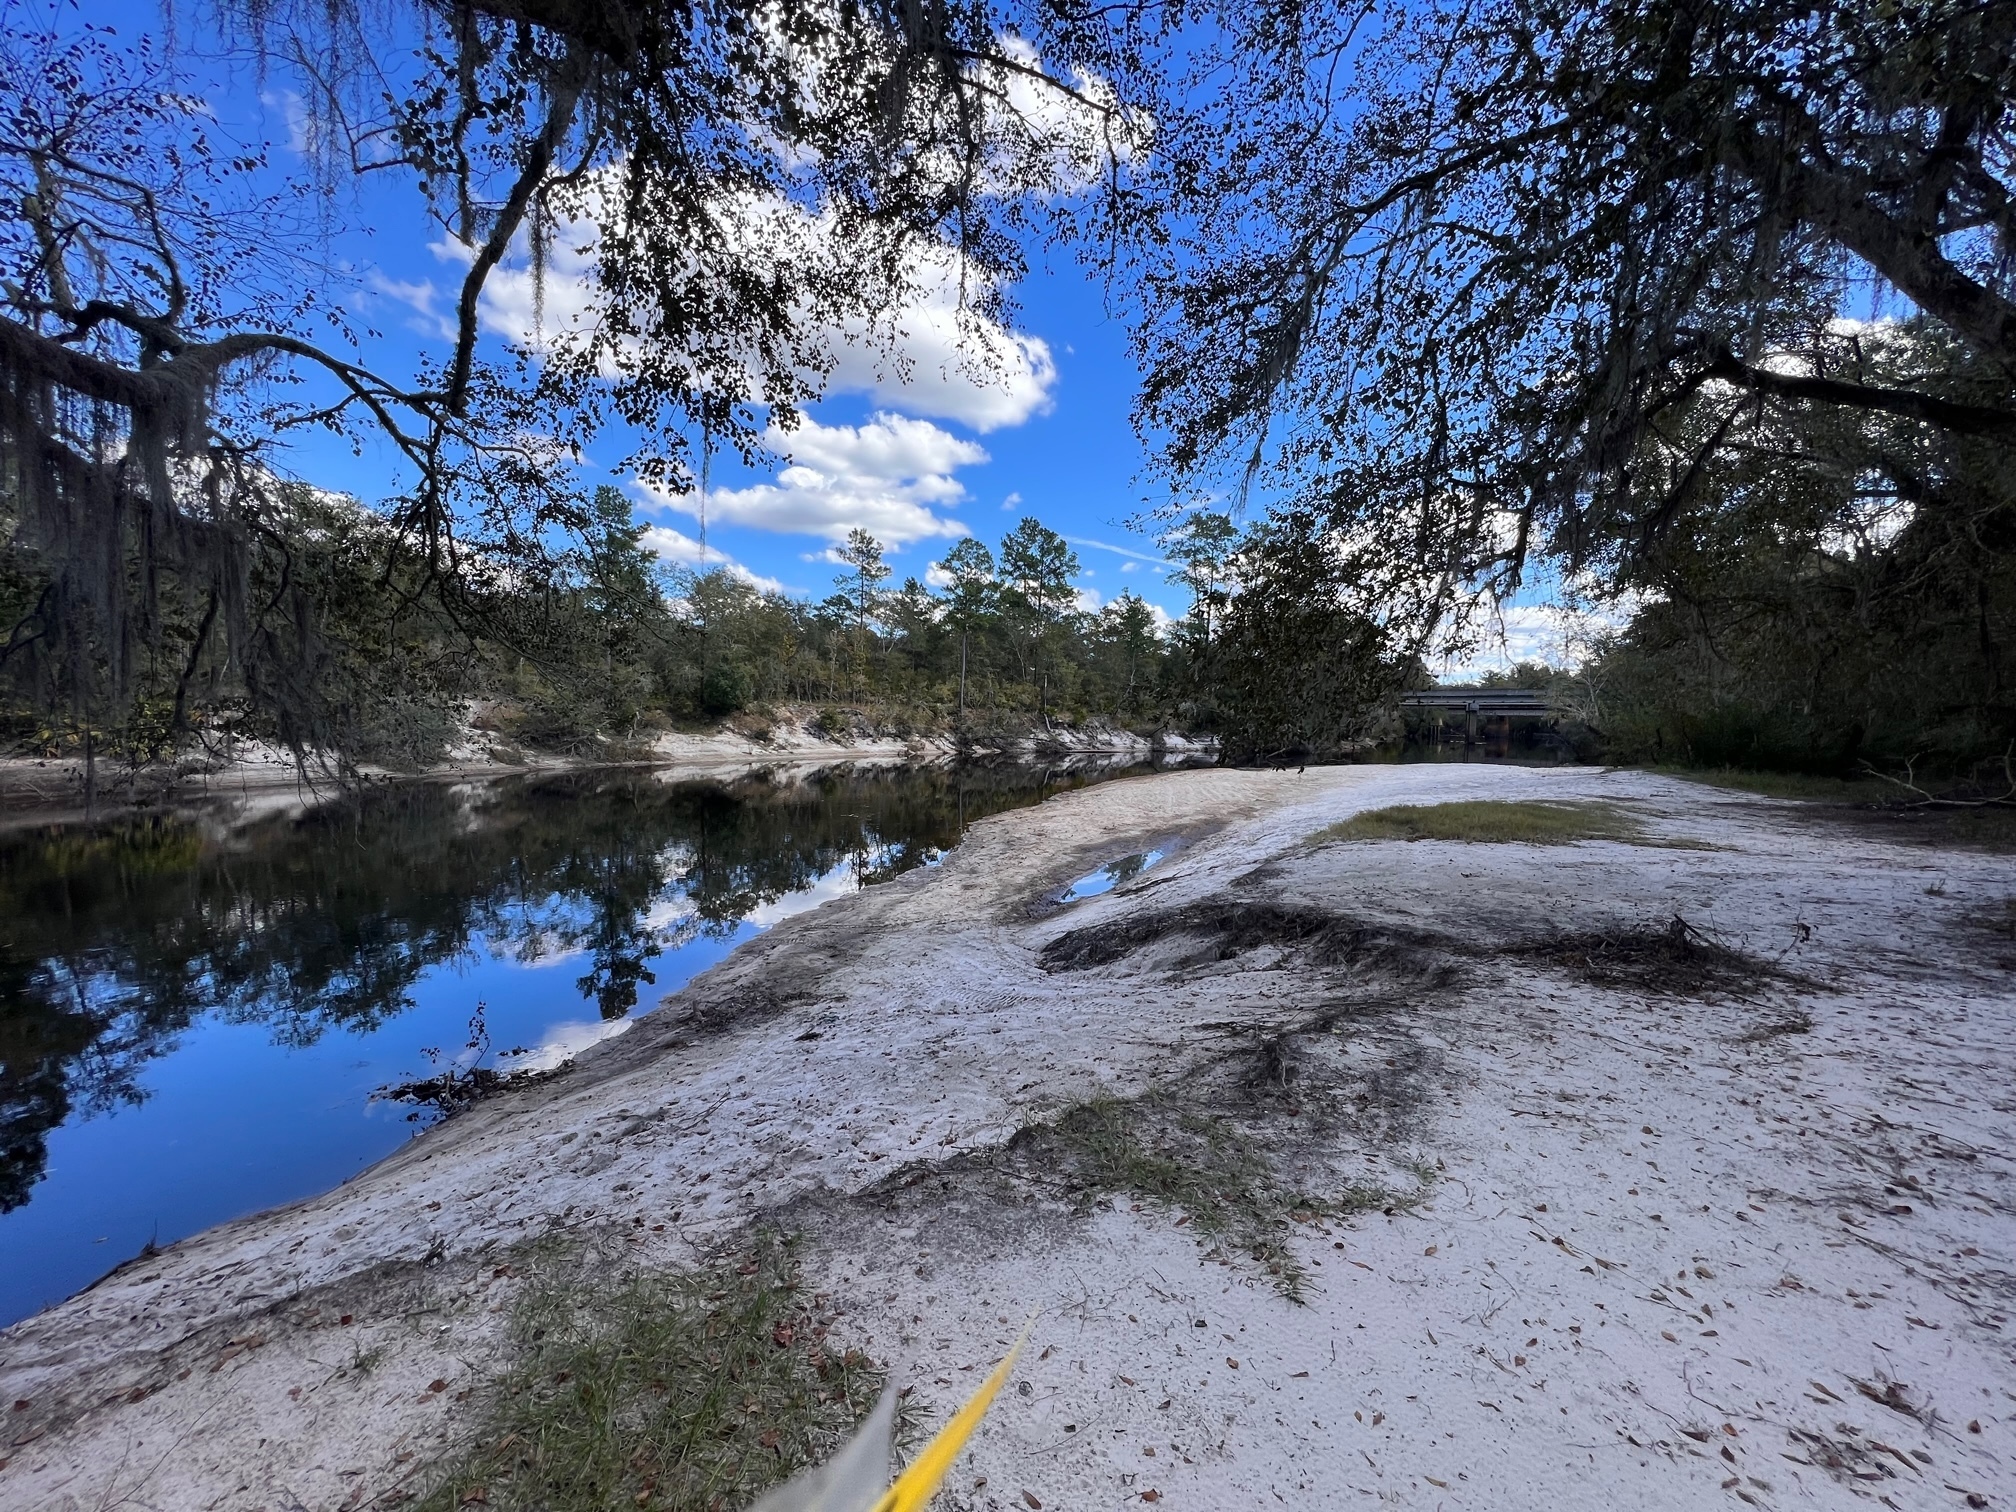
934, 358
566, 1040
682, 550
892, 477
1560, 635
933, 354
421, 297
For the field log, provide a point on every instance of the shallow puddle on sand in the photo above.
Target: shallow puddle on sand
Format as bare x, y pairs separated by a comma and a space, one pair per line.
1110, 876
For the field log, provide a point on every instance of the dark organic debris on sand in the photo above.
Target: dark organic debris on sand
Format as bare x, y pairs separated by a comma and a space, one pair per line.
1242, 1149
463, 1081
1851, 1461
1675, 960
1223, 932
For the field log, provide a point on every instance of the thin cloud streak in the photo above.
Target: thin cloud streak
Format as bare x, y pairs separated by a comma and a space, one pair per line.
1119, 550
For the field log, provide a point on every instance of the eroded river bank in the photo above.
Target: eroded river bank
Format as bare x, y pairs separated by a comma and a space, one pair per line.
1532, 1196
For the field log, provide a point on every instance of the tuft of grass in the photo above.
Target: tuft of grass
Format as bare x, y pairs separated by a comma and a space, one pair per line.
1490, 821
364, 1361
685, 1392
1422, 1170
1205, 1167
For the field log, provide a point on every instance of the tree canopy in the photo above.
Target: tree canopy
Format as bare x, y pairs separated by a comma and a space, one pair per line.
748, 179
1477, 284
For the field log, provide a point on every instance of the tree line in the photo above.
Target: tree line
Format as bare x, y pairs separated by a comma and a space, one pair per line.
613, 646
1000, 640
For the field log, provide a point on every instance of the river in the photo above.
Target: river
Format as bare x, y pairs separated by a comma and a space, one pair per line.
198, 1017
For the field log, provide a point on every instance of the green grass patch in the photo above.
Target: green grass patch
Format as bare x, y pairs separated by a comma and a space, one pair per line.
1207, 1168
1490, 821
687, 1392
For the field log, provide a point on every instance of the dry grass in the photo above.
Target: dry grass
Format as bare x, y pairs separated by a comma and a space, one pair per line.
665, 1392
1490, 821
1203, 1166
1799, 1022
1990, 828
1804, 786
1983, 829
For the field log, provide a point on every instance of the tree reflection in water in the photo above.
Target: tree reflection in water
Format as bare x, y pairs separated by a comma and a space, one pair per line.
115, 939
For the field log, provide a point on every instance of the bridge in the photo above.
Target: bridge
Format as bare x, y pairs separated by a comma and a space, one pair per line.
1477, 704
1515, 702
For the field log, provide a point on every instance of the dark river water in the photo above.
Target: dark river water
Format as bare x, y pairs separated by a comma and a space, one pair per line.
196, 1017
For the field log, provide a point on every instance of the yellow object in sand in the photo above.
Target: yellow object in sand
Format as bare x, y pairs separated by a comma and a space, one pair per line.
857, 1478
